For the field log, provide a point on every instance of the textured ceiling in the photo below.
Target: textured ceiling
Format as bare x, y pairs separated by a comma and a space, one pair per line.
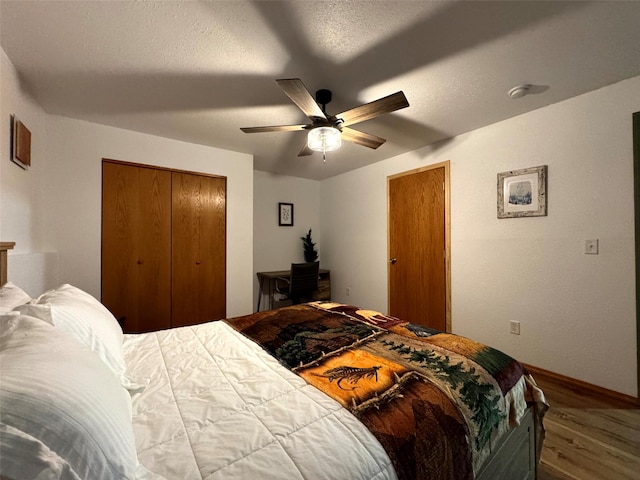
197, 71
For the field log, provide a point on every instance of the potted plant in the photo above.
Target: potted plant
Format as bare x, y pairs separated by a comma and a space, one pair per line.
310, 252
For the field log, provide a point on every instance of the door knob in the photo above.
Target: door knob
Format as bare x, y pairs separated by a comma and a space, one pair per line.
393, 260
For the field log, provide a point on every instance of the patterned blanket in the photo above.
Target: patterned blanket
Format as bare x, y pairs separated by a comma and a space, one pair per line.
436, 402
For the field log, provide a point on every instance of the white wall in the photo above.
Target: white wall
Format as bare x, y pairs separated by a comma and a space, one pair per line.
21, 201
577, 311
21, 197
76, 150
353, 215
275, 247
56, 205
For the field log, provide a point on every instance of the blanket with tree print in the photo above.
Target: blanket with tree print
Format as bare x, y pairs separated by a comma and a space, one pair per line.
436, 402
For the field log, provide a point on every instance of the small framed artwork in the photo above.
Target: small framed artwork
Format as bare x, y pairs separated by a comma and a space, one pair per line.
523, 193
20, 143
285, 214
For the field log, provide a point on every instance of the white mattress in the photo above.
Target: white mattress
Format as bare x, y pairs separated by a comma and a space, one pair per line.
216, 406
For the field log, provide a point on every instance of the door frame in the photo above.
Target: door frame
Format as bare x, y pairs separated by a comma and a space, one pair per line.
636, 189
447, 233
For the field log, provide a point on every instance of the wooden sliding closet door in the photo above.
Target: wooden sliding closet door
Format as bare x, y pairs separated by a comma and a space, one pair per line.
136, 245
198, 248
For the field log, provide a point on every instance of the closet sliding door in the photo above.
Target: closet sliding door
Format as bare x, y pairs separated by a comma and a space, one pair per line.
136, 246
198, 211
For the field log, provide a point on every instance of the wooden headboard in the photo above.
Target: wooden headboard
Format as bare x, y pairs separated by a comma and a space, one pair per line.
4, 246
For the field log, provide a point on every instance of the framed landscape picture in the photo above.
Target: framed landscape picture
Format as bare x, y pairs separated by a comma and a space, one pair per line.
523, 193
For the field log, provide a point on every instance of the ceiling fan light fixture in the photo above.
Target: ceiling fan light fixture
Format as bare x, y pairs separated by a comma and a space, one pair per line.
324, 139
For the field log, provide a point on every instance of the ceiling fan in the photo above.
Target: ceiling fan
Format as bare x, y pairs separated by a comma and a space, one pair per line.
326, 131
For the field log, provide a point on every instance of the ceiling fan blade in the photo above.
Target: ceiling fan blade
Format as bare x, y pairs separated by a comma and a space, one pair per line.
298, 93
305, 151
361, 138
275, 128
388, 104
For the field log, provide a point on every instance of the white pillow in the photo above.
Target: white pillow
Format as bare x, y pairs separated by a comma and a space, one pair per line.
27, 458
85, 318
11, 296
57, 392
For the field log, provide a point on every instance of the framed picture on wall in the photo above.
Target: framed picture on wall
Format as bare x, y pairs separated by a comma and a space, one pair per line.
285, 214
20, 143
523, 193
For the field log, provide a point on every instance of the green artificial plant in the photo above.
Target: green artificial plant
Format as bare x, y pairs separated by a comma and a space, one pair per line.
310, 252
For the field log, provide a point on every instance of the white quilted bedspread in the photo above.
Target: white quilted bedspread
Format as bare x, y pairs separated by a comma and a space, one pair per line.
218, 407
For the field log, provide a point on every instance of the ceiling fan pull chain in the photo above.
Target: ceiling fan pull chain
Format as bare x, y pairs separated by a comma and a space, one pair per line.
324, 157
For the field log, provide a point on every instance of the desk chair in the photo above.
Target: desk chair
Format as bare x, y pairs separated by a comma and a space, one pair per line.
301, 284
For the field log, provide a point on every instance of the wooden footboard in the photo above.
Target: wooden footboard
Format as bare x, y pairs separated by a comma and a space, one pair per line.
515, 455
4, 246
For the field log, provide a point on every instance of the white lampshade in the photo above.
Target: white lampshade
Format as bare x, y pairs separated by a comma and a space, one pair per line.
324, 139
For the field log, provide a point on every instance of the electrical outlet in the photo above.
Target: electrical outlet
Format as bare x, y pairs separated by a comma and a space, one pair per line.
347, 291
514, 327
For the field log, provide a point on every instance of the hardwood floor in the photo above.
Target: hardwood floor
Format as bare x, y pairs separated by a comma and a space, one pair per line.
588, 435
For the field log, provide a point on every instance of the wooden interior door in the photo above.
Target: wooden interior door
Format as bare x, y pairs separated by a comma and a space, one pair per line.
199, 248
136, 245
417, 247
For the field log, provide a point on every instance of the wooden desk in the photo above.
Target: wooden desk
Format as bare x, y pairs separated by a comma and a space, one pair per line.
323, 292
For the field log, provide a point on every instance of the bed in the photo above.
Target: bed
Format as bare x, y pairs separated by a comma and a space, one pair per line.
315, 391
